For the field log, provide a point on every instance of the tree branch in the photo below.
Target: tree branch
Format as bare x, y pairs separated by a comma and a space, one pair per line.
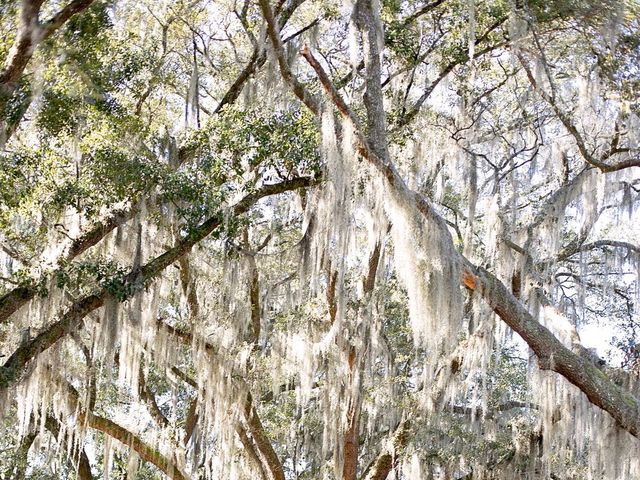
82, 467
149, 398
552, 354
250, 448
12, 370
274, 34
251, 432
571, 128
573, 249
421, 11
13, 300
30, 34
124, 436
261, 440
19, 466
76, 6
381, 466
600, 390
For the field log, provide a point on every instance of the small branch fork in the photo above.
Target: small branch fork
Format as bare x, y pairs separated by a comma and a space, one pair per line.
30, 34
599, 163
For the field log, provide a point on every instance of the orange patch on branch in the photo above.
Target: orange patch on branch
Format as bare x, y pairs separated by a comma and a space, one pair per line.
469, 280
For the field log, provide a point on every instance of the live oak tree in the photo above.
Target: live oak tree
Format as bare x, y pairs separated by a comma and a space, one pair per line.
317, 239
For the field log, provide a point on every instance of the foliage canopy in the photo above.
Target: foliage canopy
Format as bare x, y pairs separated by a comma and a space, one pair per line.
316, 239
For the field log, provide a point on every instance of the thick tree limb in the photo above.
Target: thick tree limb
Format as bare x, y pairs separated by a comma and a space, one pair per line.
22, 294
146, 452
274, 34
553, 355
12, 370
252, 453
421, 11
254, 297
76, 6
22, 49
124, 436
81, 465
18, 468
367, 20
189, 287
261, 440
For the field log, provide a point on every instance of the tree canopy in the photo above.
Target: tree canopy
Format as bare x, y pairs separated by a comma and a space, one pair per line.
304, 239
